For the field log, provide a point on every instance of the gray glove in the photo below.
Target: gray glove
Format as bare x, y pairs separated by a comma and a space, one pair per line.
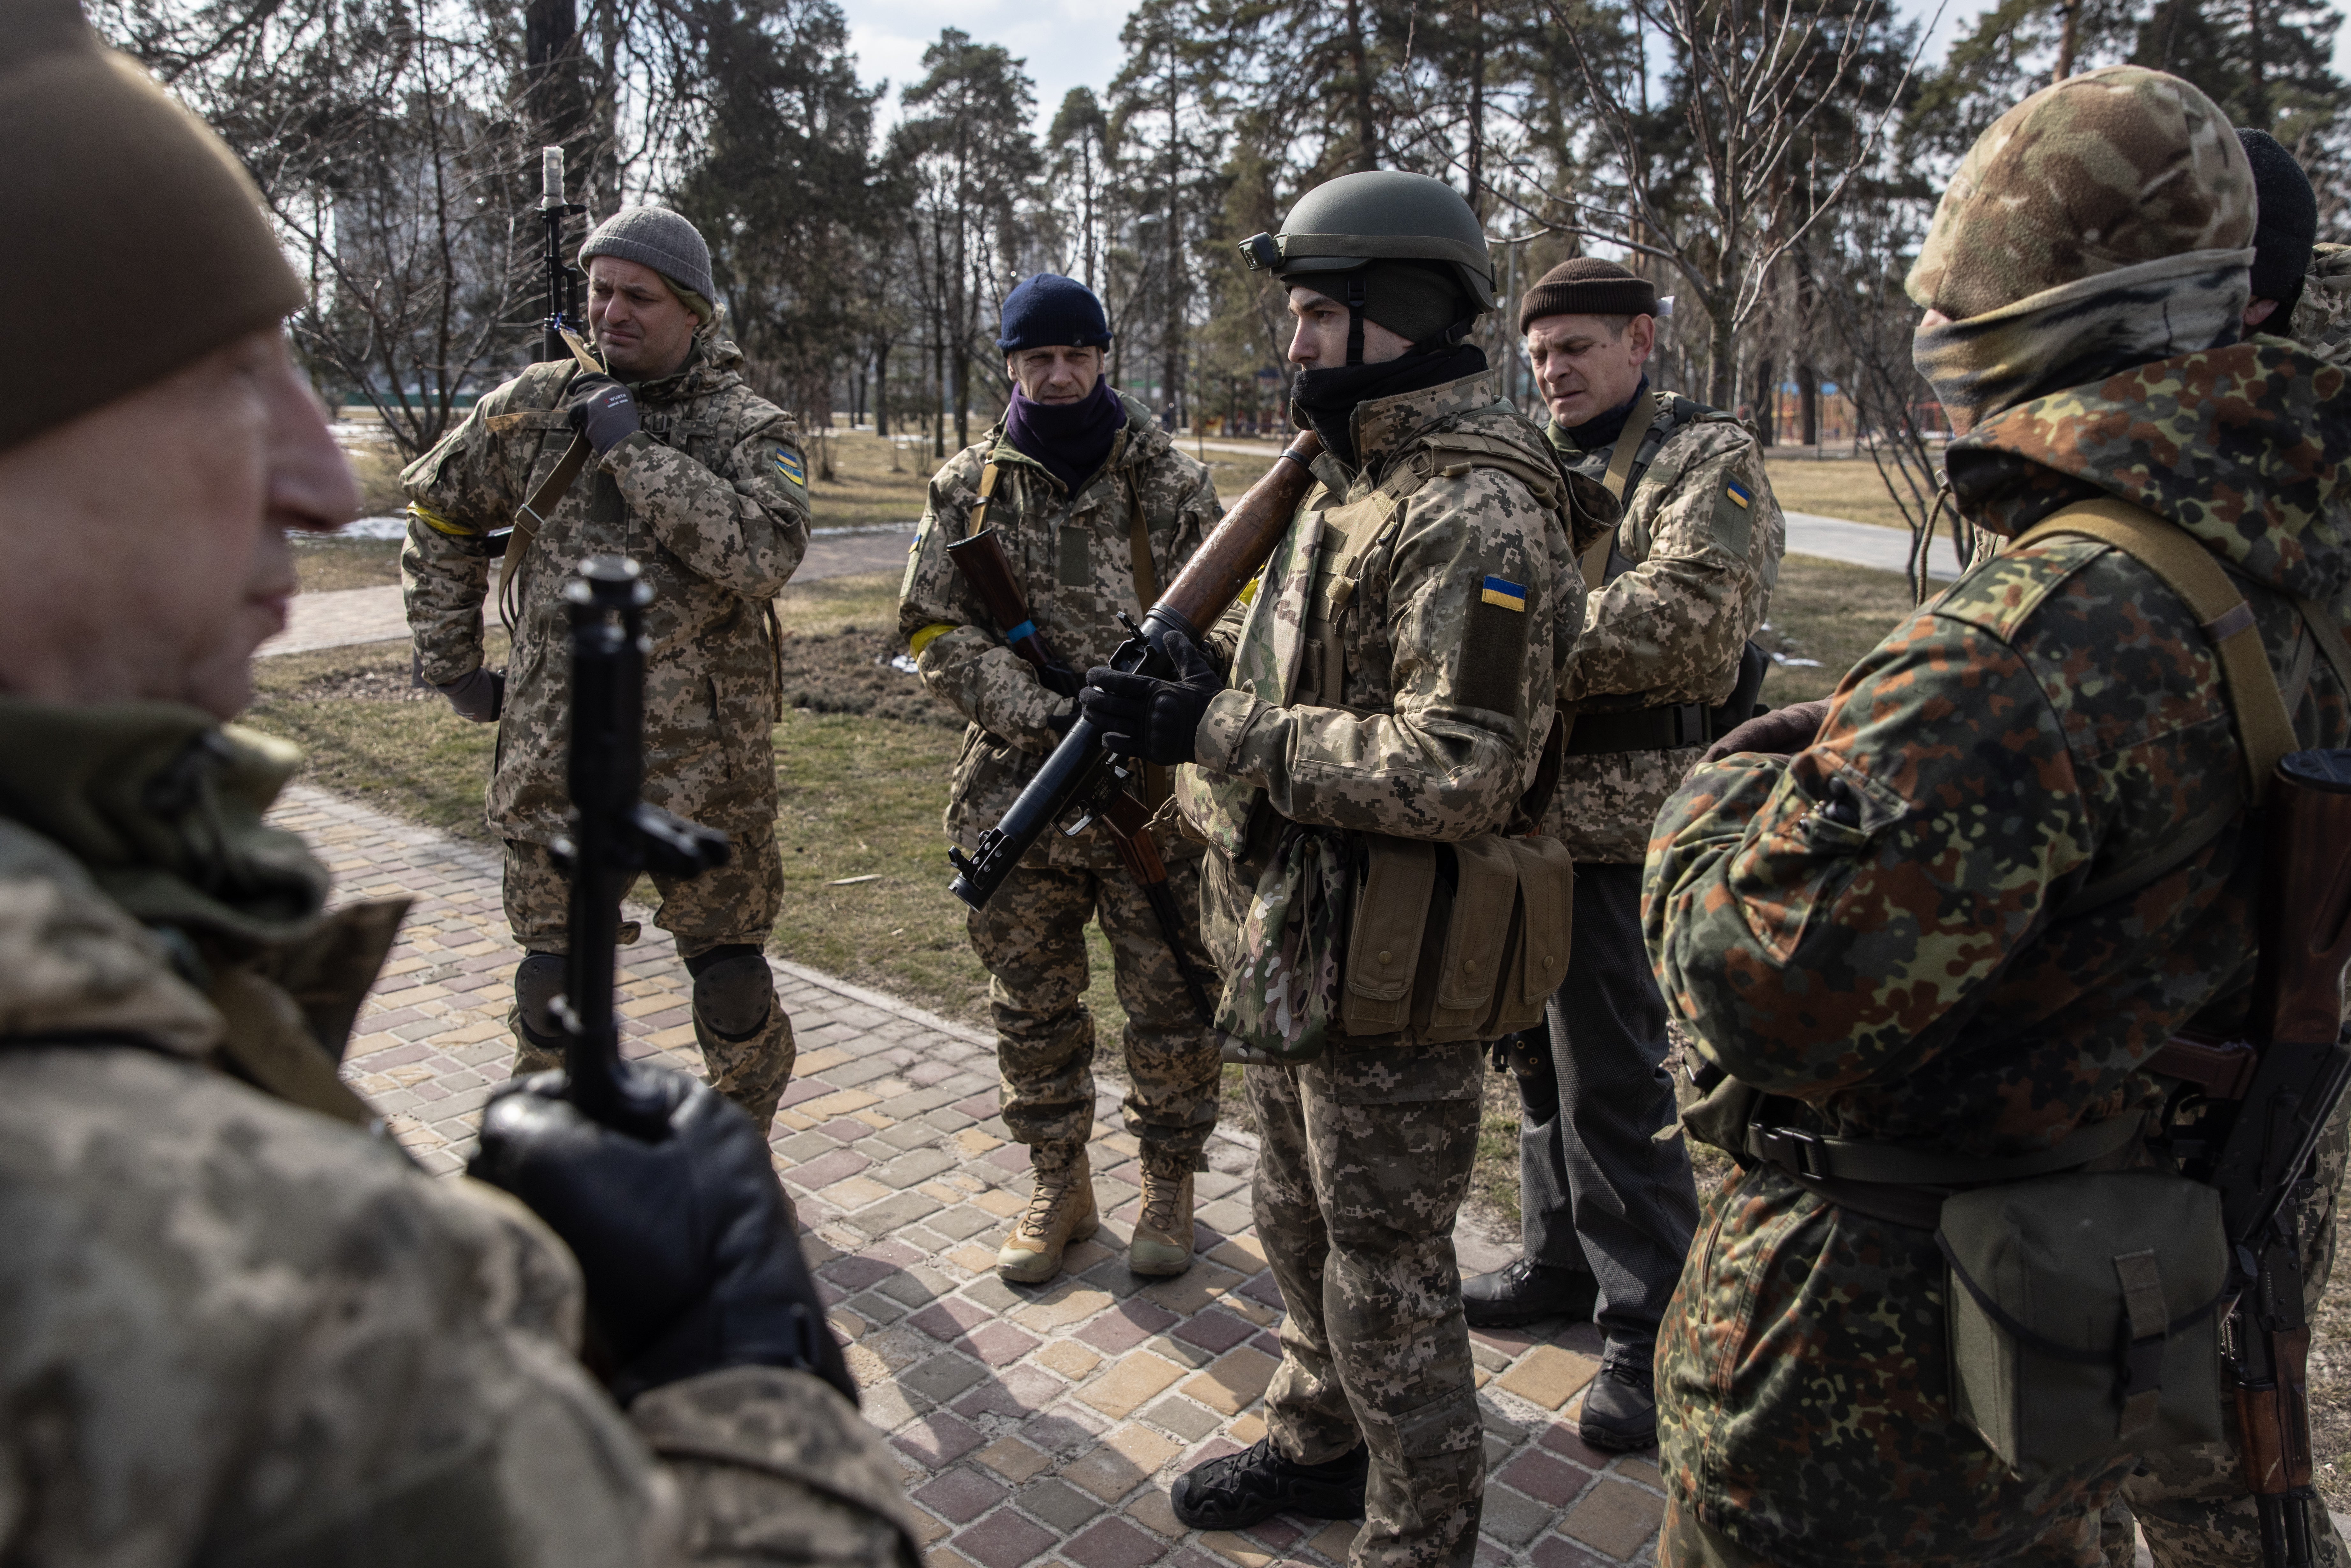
479, 694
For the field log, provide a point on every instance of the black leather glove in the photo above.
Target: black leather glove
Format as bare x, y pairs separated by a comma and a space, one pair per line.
686, 1245
1782, 732
479, 695
603, 410
1145, 716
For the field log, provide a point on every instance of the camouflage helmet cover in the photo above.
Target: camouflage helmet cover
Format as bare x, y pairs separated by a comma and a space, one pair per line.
2111, 168
1382, 215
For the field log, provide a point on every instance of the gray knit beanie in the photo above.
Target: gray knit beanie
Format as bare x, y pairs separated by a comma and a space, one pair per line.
658, 238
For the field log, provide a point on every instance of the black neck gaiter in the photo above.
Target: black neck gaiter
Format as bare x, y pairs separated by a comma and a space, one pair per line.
1326, 401
1602, 428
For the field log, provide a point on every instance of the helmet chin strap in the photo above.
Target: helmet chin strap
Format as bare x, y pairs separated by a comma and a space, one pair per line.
1355, 318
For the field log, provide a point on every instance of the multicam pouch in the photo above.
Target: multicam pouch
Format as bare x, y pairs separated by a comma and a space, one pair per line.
1279, 1003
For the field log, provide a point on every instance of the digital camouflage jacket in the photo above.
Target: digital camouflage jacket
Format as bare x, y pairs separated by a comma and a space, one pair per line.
1892, 927
1703, 536
1073, 557
1411, 651
238, 1323
710, 498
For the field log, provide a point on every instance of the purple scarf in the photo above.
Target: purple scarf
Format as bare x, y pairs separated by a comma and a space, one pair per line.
1070, 439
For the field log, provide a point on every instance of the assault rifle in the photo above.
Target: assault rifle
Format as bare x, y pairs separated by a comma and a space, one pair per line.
1079, 780
989, 570
563, 279
614, 836
2250, 1111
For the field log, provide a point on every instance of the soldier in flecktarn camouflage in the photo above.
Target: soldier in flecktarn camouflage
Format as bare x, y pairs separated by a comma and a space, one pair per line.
238, 1324
1892, 923
1393, 674
1676, 591
702, 483
1081, 486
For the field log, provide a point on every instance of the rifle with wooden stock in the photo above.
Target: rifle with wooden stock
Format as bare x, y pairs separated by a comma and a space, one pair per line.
985, 566
1080, 781
2248, 1115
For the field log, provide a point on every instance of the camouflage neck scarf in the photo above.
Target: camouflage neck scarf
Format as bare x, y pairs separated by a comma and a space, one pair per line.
2083, 331
163, 808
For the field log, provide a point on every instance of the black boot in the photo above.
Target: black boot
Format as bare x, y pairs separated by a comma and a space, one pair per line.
1247, 1488
1620, 1409
1525, 1292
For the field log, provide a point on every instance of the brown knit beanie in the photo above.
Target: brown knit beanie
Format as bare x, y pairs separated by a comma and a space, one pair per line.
2104, 171
105, 178
1587, 286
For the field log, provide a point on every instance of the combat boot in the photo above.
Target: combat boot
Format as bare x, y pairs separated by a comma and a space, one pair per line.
1061, 1210
1162, 1244
539, 1044
1620, 1405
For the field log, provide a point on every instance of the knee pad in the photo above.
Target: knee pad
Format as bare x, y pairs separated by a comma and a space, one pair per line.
538, 980
734, 993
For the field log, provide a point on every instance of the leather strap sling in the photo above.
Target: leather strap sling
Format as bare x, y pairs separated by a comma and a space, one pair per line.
550, 493
1617, 480
980, 514
1156, 783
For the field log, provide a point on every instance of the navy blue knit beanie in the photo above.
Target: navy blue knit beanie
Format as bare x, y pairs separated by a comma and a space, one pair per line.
1047, 311
2286, 226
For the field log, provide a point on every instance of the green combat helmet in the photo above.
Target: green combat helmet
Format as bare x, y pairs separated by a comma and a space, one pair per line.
1380, 214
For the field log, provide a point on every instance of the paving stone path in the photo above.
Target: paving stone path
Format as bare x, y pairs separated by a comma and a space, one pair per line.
1035, 1424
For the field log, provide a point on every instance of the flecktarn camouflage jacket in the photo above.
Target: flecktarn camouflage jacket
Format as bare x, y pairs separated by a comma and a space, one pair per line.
1889, 929
1073, 556
710, 498
1704, 535
239, 1326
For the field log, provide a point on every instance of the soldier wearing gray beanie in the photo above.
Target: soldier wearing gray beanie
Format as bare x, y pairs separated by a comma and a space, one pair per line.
659, 238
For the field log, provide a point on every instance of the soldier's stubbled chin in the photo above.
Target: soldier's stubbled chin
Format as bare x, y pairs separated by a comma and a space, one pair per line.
1325, 400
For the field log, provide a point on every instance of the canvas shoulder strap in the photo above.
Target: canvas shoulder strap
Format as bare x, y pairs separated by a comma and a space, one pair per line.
549, 492
2264, 729
979, 519
1618, 480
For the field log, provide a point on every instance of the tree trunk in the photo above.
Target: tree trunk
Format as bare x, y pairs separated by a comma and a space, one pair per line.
1477, 105
1721, 356
1808, 391
1359, 61
2071, 11
1767, 402
882, 388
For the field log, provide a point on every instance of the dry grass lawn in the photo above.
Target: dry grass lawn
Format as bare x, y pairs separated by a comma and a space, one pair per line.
1846, 487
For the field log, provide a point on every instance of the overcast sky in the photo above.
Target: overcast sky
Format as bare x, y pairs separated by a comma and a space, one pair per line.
1072, 43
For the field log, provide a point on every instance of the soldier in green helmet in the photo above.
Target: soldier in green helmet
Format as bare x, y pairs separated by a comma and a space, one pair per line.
1392, 683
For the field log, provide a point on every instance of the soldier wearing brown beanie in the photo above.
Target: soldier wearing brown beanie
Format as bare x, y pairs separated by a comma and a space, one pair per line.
1674, 593
238, 1325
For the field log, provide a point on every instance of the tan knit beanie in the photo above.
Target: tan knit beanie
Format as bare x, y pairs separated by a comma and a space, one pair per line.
2109, 170
132, 223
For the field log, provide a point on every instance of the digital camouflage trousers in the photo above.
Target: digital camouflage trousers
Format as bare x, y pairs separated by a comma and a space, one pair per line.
1031, 938
723, 915
1365, 1160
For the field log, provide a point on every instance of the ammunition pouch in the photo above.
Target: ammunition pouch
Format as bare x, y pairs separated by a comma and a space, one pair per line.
1454, 941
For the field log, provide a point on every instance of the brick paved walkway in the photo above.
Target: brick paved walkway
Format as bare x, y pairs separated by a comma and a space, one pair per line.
1035, 1424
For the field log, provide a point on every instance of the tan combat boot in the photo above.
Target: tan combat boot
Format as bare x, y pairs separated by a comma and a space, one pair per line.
1061, 1210
1163, 1232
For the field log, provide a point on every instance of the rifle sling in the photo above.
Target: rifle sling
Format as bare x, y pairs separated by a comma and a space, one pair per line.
551, 489
1618, 481
1156, 785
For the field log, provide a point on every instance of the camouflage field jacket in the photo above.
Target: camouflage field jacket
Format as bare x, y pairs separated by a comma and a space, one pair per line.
238, 1325
1441, 623
1073, 556
710, 498
1891, 928
1704, 536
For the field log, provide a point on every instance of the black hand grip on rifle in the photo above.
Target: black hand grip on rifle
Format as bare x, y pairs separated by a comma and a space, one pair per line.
2256, 1114
563, 277
989, 572
613, 836
1079, 773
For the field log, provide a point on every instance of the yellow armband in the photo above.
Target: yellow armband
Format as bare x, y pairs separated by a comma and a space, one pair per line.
926, 636
439, 524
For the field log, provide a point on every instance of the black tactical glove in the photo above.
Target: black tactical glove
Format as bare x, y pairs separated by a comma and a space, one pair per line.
1061, 680
686, 1245
1142, 716
479, 695
1782, 732
603, 410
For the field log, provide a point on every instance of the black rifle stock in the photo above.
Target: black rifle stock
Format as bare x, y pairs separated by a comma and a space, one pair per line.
563, 277
985, 566
613, 835
1080, 777
2251, 1115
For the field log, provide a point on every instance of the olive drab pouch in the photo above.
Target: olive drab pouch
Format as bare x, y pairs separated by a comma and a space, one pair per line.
2084, 1315
1457, 941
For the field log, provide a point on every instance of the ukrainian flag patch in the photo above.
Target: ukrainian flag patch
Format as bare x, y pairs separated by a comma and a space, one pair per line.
1741, 497
1501, 590
788, 465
